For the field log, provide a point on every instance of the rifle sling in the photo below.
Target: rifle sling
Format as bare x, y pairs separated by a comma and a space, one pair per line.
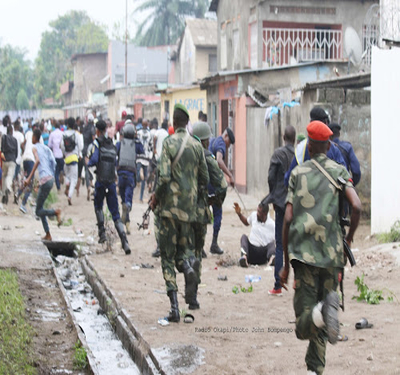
180, 152
326, 174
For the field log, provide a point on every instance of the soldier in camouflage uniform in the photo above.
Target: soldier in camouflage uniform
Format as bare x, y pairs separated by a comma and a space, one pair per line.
201, 131
312, 243
182, 172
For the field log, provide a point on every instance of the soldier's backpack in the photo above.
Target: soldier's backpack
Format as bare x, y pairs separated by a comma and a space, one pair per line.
69, 142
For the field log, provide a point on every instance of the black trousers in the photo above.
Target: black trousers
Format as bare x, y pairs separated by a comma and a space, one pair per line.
257, 254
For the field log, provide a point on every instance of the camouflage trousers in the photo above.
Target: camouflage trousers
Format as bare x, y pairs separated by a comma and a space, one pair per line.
157, 227
312, 285
176, 241
200, 231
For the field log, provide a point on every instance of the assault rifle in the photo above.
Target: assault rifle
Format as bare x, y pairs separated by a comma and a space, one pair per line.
146, 218
344, 222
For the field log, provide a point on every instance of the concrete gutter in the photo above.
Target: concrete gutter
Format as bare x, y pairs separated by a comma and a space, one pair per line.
132, 340
92, 368
91, 360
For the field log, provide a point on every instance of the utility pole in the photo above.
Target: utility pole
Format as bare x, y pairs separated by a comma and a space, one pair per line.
126, 54
126, 43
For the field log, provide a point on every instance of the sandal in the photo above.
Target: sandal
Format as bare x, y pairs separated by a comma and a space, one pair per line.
189, 318
363, 323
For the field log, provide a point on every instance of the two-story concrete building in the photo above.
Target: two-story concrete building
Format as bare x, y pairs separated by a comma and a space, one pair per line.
87, 88
267, 50
196, 56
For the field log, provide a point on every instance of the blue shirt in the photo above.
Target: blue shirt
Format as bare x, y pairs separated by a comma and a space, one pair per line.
45, 137
218, 145
333, 154
94, 157
352, 163
47, 165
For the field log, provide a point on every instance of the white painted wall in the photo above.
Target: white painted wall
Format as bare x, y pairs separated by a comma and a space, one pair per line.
385, 139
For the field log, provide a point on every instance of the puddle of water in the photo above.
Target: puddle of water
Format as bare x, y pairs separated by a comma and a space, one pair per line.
182, 359
107, 349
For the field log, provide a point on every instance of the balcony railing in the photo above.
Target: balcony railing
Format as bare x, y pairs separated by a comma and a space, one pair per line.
283, 46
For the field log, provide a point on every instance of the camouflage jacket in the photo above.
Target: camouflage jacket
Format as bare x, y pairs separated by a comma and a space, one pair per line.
315, 236
177, 189
217, 180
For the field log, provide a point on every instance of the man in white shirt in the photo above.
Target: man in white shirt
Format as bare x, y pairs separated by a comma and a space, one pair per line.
20, 139
259, 247
71, 146
143, 160
159, 137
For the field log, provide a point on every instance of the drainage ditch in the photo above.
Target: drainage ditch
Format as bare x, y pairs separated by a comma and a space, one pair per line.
106, 353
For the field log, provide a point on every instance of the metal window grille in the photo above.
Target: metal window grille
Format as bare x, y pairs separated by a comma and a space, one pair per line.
284, 46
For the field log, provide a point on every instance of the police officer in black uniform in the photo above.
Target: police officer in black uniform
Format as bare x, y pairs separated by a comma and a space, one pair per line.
127, 149
103, 156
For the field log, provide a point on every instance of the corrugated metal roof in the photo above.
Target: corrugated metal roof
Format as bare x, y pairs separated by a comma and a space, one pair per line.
350, 81
204, 32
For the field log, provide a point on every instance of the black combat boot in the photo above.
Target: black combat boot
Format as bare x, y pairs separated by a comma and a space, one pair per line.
100, 224
215, 249
195, 264
122, 235
194, 304
203, 254
190, 281
174, 312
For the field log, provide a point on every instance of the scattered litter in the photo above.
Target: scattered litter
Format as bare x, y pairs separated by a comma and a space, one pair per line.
56, 333
226, 261
370, 357
100, 311
7, 227
223, 278
277, 344
163, 322
90, 240
292, 321
269, 268
79, 233
236, 289
19, 226
361, 339
147, 265
160, 291
136, 267
355, 250
252, 278
121, 275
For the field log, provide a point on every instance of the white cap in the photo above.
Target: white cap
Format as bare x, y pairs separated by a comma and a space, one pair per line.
90, 117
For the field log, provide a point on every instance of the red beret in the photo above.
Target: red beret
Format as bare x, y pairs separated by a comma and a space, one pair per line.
318, 131
171, 130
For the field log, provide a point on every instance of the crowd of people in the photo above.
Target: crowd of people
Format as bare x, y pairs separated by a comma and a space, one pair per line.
184, 169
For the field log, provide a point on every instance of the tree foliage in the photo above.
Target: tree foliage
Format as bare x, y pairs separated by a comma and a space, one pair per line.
22, 100
15, 76
165, 23
71, 33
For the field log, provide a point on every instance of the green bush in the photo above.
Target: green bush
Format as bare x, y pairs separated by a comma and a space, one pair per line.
392, 236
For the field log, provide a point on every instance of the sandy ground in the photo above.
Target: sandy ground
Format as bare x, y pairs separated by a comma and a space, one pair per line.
46, 311
245, 333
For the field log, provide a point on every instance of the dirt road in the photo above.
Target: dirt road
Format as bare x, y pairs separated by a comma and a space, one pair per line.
245, 333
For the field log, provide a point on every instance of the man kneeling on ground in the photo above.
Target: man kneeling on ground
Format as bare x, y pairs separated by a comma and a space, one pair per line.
259, 247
